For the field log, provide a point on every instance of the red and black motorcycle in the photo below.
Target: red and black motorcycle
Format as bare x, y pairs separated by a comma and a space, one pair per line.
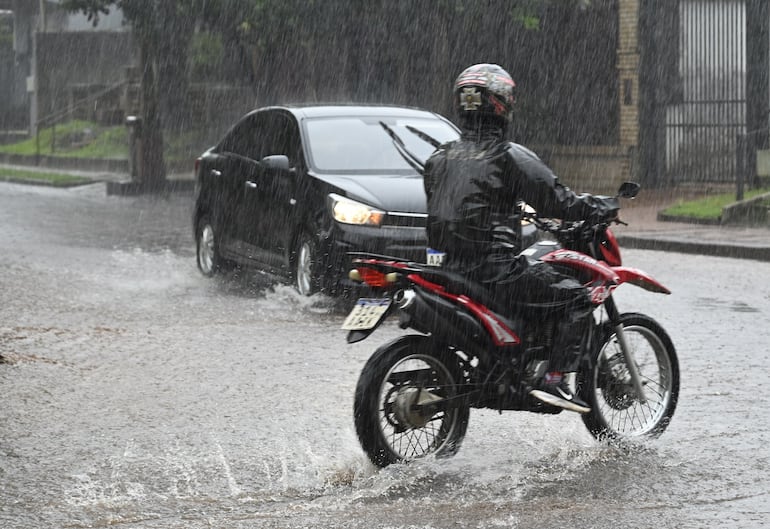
414, 394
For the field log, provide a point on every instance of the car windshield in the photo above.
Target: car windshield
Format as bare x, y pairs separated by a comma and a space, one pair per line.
361, 144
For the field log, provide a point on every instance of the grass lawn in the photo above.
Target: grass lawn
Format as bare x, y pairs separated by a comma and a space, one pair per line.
85, 139
709, 207
46, 178
75, 139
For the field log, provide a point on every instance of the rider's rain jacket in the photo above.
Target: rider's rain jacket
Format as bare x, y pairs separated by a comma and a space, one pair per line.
475, 187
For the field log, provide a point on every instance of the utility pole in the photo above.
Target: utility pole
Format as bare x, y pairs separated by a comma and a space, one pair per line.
42, 19
757, 82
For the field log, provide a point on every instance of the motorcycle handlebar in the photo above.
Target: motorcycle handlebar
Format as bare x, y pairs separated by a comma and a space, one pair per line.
586, 227
565, 230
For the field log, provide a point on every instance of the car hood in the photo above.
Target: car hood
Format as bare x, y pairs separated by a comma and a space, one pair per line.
391, 193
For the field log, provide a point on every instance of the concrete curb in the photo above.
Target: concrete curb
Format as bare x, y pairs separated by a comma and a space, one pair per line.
126, 189
63, 163
748, 210
736, 251
688, 220
47, 183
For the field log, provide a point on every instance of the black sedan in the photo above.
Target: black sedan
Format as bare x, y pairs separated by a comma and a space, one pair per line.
293, 189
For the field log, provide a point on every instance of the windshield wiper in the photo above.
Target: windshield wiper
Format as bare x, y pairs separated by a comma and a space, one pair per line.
416, 164
424, 136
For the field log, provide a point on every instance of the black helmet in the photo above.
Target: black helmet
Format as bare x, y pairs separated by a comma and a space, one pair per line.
485, 91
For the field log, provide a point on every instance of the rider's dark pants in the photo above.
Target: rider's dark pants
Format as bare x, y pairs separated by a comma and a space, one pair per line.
535, 290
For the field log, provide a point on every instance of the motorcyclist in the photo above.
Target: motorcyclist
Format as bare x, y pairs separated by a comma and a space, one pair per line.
475, 187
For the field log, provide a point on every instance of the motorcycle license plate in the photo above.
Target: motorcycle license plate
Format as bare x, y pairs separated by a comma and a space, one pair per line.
434, 257
366, 314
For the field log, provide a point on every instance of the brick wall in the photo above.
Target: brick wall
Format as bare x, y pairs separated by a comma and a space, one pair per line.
628, 71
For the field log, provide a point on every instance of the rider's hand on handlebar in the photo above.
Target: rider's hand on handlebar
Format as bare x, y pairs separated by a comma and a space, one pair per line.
612, 215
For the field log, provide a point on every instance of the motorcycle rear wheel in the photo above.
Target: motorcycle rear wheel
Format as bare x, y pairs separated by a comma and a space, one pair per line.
616, 411
404, 407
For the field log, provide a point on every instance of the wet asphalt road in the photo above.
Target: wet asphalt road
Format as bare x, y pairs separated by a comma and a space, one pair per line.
138, 394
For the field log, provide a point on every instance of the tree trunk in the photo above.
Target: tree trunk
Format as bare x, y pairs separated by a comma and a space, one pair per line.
152, 165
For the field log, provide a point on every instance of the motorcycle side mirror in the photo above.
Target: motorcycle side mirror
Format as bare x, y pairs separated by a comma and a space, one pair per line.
629, 190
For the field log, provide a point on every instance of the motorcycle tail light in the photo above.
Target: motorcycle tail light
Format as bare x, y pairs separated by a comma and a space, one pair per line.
373, 278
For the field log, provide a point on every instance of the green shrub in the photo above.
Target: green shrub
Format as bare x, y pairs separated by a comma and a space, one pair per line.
709, 207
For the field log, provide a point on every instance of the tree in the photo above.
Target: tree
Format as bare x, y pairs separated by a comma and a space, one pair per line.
162, 29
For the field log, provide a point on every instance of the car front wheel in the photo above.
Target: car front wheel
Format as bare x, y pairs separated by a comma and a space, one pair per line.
306, 265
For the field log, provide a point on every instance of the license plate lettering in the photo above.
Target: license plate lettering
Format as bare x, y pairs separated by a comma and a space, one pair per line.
366, 314
434, 257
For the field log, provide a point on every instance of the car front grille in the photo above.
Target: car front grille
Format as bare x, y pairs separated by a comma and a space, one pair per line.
406, 220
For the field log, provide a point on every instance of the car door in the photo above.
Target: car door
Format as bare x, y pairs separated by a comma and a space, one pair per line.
223, 168
232, 166
270, 203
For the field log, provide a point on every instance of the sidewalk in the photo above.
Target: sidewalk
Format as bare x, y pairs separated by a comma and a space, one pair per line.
118, 183
645, 231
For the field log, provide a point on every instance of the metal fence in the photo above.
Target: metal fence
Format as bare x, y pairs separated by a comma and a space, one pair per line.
703, 123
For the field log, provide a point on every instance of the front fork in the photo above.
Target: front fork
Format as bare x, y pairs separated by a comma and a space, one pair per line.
628, 355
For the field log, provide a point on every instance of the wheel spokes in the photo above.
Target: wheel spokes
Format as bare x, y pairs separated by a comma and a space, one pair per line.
414, 417
618, 402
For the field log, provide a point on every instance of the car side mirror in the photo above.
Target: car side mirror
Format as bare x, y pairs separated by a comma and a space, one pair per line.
629, 190
278, 162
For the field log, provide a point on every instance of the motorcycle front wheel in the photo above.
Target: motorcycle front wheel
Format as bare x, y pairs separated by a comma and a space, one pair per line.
408, 403
616, 409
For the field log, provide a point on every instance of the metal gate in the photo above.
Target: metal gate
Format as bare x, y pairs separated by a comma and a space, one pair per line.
703, 126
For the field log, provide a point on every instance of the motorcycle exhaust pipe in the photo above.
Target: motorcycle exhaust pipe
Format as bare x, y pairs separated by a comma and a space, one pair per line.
404, 298
430, 314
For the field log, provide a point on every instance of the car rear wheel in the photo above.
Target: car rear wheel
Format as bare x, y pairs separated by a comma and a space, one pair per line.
306, 265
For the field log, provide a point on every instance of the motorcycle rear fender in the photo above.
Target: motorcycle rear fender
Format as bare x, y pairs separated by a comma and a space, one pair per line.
641, 279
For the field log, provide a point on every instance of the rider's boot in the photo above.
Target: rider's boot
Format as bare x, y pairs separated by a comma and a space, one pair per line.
557, 390
557, 387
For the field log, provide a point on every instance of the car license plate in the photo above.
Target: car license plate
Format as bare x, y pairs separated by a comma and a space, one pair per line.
366, 314
434, 257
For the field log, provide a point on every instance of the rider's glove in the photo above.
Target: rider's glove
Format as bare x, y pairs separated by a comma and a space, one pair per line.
611, 215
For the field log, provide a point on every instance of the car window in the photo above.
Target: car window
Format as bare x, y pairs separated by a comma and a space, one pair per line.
244, 138
263, 134
361, 144
281, 137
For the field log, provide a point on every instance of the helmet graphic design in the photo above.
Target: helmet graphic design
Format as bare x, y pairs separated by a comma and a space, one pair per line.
485, 90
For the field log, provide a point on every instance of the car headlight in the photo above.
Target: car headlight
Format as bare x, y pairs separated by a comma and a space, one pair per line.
351, 212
